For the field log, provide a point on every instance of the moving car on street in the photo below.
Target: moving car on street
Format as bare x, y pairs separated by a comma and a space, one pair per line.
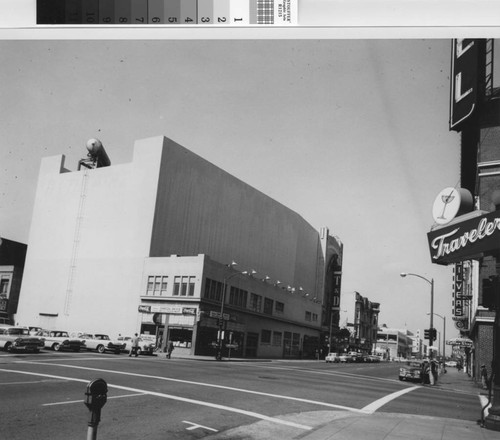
59, 340
411, 371
102, 343
19, 339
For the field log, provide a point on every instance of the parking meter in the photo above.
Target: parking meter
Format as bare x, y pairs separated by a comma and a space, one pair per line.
95, 398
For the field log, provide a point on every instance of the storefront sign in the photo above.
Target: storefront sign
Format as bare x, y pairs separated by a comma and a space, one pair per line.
468, 239
460, 342
464, 81
337, 278
458, 301
451, 202
169, 310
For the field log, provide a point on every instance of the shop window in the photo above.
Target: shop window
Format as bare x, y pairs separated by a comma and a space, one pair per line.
265, 337
268, 306
279, 308
238, 297
255, 302
277, 338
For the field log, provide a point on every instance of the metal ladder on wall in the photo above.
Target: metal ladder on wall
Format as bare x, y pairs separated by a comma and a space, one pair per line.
76, 243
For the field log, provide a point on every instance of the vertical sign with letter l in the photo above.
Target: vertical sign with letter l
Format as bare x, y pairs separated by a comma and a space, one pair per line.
464, 80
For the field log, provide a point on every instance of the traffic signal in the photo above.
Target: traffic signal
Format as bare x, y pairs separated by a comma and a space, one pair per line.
433, 334
426, 334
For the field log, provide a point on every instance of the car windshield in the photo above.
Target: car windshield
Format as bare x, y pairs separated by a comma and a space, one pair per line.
414, 364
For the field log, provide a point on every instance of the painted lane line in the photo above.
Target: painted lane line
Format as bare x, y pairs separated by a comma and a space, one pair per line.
29, 382
70, 402
196, 426
240, 390
374, 406
177, 398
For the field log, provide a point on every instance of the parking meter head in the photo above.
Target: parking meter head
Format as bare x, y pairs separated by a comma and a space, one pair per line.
96, 394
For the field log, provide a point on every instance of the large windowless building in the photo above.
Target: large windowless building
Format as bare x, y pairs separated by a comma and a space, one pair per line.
149, 246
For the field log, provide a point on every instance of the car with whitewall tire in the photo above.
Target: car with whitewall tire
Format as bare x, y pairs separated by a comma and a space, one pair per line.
14, 339
102, 343
60, 340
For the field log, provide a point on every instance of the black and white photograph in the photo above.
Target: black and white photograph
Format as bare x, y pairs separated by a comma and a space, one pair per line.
248, 235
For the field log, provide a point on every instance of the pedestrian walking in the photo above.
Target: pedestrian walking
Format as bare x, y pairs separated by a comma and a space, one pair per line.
484, 376
135, 346
170, 349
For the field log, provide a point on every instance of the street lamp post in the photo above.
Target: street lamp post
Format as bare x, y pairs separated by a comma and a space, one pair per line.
444, 335
431, 282
223, 300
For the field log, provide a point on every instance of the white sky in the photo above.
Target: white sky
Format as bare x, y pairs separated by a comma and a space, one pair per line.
351, 134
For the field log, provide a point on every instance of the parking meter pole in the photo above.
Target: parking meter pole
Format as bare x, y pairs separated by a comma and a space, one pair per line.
95, 399
95, 418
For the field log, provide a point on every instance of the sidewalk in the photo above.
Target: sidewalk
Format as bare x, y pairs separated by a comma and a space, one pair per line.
386, 426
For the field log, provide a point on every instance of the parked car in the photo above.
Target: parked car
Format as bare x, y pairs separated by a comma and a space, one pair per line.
374, 358
146, 344
355, 356
19, 339
412, 371
101, 343
59, 340
344, 358
332, 357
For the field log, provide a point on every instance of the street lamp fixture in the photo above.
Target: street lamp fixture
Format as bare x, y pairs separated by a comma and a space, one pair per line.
431, 314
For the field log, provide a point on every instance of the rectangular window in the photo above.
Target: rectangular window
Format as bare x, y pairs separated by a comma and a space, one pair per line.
213, 290
164, 283
315, 317
191, 286
265, 337
184, 286
268, 306
151, 282
177, 286
255, 302
157, 286
238, 297
277, 338
279, 308
308, 316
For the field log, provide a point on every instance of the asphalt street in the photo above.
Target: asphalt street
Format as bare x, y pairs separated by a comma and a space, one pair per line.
156, 398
